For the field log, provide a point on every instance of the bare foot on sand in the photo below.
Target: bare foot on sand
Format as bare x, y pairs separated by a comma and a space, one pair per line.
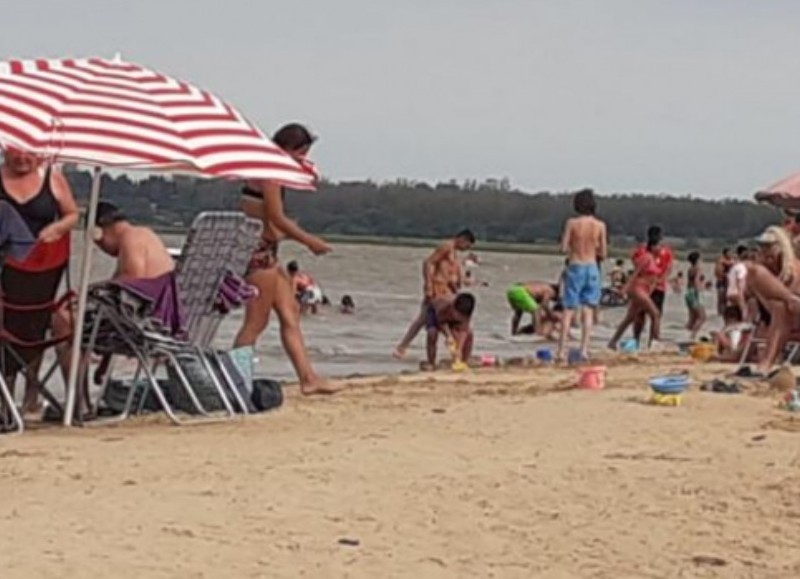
319, 386
427, 367
399, 353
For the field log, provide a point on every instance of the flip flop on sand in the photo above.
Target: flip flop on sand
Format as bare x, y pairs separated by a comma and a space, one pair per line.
722, 387
748, 373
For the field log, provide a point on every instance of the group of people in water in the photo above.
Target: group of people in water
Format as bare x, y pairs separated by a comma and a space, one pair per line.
757, 287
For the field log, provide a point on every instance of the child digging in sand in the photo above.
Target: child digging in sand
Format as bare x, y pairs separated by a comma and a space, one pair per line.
584, 242
450, 317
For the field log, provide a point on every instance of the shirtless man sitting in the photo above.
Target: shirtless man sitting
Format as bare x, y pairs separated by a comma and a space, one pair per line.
139, 251
442, 278
140, 255
584, 242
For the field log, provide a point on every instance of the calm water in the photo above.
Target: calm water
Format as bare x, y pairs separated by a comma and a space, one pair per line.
385, 283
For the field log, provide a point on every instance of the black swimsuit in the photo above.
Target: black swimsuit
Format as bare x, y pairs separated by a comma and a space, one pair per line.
37, 212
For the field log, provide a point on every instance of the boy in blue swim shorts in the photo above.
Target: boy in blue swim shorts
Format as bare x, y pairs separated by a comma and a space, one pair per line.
585, 243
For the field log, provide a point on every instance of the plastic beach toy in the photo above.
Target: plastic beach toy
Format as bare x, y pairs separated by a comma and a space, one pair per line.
703, 351
575, 356
629, 346
459, 366
488, 360
592, 378
675, 384
544, 355
668, 390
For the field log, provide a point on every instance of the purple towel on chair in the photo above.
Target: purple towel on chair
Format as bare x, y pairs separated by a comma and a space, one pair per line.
233, 293
162, 293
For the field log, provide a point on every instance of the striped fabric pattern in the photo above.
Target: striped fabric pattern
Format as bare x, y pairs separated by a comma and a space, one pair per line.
117, 114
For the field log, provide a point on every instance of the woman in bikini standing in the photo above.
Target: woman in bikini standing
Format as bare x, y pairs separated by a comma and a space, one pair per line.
265, 200
639, 289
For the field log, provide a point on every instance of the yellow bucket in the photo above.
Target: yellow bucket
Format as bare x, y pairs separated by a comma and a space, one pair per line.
703, 352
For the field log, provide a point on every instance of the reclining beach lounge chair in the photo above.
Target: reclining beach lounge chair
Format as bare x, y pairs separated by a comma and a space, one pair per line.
217, 249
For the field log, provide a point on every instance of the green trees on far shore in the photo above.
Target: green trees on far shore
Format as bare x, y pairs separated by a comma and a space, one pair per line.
409, 209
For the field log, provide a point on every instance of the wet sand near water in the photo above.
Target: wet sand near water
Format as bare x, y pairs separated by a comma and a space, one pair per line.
491, 473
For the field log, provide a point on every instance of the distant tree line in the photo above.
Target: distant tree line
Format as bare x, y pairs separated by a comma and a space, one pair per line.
405, 208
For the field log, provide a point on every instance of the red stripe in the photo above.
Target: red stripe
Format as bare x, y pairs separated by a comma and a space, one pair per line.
85, 87
188, 134
231, 167
119, 107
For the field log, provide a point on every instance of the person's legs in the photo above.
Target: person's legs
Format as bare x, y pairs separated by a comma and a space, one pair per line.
779, 331
566, 324
466, 346
515, 320
285, 306
590, 300
414, 329
638, 326
586, 329
431, 343
573, 287
258, 309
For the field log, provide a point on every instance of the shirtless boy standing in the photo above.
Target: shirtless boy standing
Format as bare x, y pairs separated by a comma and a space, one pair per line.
584, 242
442, 278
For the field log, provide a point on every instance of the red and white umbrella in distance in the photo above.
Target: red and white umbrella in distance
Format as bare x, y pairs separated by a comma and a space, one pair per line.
115, 114
784, 194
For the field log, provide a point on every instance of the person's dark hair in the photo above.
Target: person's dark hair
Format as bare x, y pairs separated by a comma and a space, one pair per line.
465, 304
620, 262
654, 236
584, 203
108, 214
293, 137
467, 235
292, 267
693, 257
347, 301
732, 314
741, 251
726, 251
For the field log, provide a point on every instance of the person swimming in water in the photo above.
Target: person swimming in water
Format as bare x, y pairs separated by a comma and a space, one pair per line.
347, 305
307, 291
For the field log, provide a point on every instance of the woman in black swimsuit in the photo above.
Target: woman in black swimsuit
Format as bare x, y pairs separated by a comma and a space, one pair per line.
264, 200
43, 199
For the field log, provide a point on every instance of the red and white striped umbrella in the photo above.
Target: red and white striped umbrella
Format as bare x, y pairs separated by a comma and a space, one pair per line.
784, 194
111, 113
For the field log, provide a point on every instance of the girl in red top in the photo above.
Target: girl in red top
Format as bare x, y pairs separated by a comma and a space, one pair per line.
639, 289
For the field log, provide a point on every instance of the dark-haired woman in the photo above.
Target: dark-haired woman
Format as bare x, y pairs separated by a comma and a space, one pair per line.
265, 200
639, 289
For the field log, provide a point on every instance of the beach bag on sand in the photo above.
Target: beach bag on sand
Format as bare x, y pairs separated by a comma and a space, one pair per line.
267, 394
116, 395
201, 382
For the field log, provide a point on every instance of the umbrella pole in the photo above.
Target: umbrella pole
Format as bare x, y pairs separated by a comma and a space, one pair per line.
83, 293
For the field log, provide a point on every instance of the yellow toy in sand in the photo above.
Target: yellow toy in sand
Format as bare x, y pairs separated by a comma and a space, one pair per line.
458, 364
666, 399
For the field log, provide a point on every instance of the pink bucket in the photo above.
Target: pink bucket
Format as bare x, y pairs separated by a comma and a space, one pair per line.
592, 378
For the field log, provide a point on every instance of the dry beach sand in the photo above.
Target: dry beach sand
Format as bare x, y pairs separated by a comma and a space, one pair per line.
496, 473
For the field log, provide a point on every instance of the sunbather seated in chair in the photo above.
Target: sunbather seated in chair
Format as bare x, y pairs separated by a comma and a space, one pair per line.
774, 280
144, 268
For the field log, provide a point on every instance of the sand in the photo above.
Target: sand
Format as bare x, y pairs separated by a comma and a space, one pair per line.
494, 473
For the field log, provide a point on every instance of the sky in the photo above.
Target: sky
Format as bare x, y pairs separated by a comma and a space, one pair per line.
695, 97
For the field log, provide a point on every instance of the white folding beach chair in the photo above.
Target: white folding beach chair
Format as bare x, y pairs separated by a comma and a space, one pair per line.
218, 244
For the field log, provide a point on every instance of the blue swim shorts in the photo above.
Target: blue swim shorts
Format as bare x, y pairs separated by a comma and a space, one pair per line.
582, 286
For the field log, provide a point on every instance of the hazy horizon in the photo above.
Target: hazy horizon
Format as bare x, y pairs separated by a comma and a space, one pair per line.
639, 96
